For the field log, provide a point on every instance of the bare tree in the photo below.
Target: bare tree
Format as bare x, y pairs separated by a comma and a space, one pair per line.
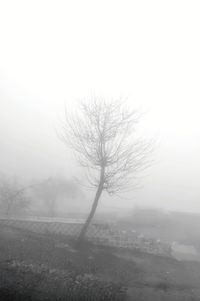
102, 134
53, 189
48, 191
13, 199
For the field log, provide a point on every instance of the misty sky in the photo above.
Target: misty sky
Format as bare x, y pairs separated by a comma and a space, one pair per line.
56, 52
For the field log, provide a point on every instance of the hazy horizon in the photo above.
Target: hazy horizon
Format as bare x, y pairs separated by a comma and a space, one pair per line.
53, 55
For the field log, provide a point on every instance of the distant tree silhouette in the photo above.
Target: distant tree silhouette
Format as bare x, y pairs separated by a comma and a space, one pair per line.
13, 199
52, 189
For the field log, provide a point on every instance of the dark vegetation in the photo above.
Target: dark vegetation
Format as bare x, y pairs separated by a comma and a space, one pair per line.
48, 267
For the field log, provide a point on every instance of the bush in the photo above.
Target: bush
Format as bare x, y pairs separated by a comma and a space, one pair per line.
68, 286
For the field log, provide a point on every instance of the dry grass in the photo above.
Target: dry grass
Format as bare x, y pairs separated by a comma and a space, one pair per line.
48, 267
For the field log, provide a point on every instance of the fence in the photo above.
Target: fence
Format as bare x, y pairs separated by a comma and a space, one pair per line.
102, 234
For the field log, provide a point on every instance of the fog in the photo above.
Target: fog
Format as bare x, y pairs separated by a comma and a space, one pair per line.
147, 53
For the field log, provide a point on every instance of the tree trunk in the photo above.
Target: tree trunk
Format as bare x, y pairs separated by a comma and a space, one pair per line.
93, 209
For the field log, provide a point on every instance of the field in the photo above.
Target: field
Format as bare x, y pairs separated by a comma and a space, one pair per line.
169, 227
48, 267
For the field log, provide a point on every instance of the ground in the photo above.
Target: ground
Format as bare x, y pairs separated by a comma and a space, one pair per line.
49, 267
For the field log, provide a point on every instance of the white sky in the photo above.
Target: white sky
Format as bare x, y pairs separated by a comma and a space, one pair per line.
55, 52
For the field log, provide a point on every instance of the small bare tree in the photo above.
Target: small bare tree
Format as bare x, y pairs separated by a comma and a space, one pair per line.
48, 192
52, 190
102, 134
13, 199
